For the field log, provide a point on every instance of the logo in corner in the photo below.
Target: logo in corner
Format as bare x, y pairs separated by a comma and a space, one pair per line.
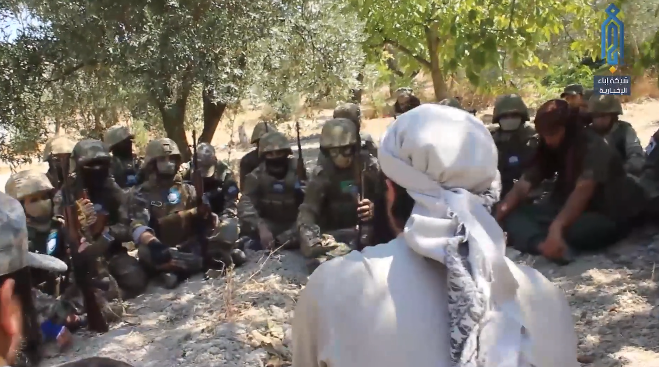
613, 38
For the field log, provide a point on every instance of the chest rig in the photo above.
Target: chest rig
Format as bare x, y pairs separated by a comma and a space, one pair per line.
516, 149
167, 203
279, 198
340, 206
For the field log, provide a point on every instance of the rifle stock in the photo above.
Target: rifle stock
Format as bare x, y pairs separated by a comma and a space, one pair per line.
301, 170
96, 321
359, 182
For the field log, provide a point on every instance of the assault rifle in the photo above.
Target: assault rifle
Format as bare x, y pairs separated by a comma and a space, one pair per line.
359, 183
301, 170
80, 264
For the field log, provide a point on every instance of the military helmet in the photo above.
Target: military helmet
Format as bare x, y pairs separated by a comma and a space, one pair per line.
116, 134
604, 104
451, 102
162, 147
261, 128
28, 182
338, 133
273, 141
350, 111
89, 150
61, 144
510, 103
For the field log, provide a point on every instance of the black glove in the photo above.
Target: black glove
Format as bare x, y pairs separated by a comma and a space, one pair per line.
159, 253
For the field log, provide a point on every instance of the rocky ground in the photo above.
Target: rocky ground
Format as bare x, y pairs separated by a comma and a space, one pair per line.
244, 319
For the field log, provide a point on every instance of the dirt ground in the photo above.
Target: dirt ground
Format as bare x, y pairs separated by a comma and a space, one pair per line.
244, 319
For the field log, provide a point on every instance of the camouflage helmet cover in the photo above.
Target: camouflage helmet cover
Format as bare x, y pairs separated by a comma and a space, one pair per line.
451, 102
273, 141
206, 159
402, 95
58, 145
510, 103
90, 150
28, 182
604, 104
261, 128
14, 242
162, 147
338, 133
350, 111
116, 134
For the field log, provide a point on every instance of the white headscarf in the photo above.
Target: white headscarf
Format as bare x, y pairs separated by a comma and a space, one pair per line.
447, 161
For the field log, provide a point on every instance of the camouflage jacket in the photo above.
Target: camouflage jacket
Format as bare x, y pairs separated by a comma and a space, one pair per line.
624, 139
221, 189
248, 163
125, 171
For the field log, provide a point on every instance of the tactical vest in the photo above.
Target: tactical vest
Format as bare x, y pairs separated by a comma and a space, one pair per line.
617, 138
124, 172
279, 197
339, 209
516, 149
165, 201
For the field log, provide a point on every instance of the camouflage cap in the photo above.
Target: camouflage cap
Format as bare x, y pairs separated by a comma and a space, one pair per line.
14, 254
116, 134
162, 147
338, 133
206, 159
273, 141
89, 150
350, 111
572, 89
61, 144
451, 102
28, 182
604, 104
260, 129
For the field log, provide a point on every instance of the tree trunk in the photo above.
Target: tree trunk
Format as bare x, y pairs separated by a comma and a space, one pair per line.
438, 82
213, 112
173, 119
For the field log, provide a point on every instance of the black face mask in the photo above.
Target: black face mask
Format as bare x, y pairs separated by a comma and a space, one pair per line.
277, 167
123, 149
94, 176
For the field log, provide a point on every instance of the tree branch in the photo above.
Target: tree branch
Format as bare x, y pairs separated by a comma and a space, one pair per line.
407, 51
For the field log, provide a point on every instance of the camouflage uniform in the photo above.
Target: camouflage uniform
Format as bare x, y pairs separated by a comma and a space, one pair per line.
516, 145
330, 205
124, 165
405, 101
167, 207
250, 161
91, 174
649, 178
43, 231
271, 201
620, 135
56, 149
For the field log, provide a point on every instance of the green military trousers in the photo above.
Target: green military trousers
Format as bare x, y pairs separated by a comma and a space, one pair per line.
527, 227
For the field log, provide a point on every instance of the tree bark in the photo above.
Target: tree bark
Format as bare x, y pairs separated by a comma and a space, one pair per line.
213, 112
173, 120
438, 82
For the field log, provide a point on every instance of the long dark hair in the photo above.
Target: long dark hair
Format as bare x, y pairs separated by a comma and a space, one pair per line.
30, 352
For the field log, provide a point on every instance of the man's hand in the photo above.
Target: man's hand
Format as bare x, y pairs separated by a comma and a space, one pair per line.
365, 210
266, 237
554, 246
83, 245
86, 212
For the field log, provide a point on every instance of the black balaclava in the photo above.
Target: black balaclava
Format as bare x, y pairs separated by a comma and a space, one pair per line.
123, 149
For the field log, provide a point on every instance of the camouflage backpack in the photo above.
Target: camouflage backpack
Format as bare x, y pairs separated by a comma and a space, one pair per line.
273, 141
604, 104
338, 132
116, 134
27, 183
58, 145
260, 129
509, 104
162, 147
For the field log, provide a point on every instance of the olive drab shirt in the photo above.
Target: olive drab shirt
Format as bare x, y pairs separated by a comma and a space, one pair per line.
248, 163
330, 199
368, 146
617, 195
624, 139
222, 189
125, 171
649, 178
265, 198
516, 149
151, 203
